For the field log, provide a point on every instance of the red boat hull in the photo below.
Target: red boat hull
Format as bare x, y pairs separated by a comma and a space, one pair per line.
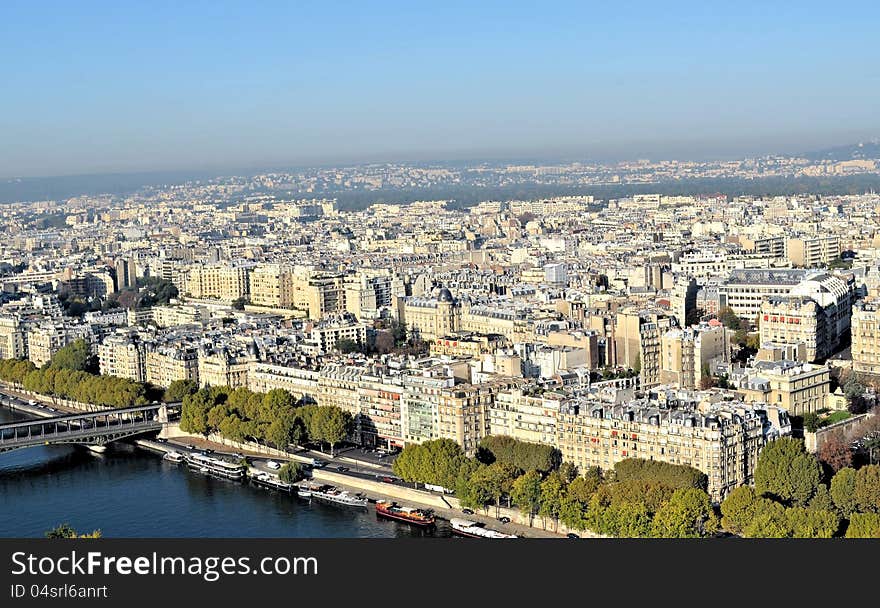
400, 517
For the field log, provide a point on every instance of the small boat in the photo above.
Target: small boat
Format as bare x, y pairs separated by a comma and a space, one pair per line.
341, 497
216, 467
473, 529
304, 491
267, 480
410, 515
175, 457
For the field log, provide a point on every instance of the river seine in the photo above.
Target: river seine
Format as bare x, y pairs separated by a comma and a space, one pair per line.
130, 492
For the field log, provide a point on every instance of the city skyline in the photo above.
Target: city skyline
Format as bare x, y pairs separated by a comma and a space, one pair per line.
108, 89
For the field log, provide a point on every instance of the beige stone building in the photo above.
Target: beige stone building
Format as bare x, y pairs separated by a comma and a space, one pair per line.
217, 367
797, 387
46, 339
637, 342
430, 318
525, 414
813, 252
301, 383
227, 282
686, 354
722, 440
866, 337
168, 363
13, 344
123, 355
272, 285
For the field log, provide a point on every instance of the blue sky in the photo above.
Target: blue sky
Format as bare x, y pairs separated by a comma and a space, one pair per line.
125, 86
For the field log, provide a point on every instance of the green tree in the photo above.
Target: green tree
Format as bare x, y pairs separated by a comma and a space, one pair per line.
568, 471
471, 494
346, 346
290, 472
194, 412
738, 509
526, 493
687, 514
280, 431
729, 318
843, 491
786, 472
330, 424
812, 523
553, 491
867, 489
864, 525
180, 389
497, 478
438, 461
822, 500
75, 356
673, 475
522, 455
811, 422
769, 521
398, 330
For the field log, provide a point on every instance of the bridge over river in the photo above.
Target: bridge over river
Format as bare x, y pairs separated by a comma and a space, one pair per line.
91, 429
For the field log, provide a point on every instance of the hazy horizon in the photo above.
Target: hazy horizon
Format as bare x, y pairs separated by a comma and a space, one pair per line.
103, 88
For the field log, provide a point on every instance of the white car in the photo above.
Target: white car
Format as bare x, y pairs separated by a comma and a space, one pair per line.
273, 465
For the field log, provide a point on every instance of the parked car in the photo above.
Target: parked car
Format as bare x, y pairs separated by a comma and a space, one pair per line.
317, 463
342, 469
273, 465
504, 519
385, 478
190, 446
572, 535
467, 511
161, 440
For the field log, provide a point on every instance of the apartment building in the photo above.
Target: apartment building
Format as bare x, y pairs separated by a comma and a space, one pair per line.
796, 387
721, 440
123, 354
866, 337
220, 367
47, 338
327, 333
301, 383
166, 363
13, 343
527, 414
687, 354
222, 281
272, 285
813, 252
430, 318
637, 342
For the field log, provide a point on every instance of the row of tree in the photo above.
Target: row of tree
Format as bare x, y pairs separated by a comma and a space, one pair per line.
790, 498
273, 418
637, 498
58, 381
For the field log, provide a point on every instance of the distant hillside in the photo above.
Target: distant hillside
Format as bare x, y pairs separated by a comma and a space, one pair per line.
868, 149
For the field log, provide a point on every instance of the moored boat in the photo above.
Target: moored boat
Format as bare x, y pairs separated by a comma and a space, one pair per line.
473, 529
341, 497
175, 457
410, 515
267, 480
215, 466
